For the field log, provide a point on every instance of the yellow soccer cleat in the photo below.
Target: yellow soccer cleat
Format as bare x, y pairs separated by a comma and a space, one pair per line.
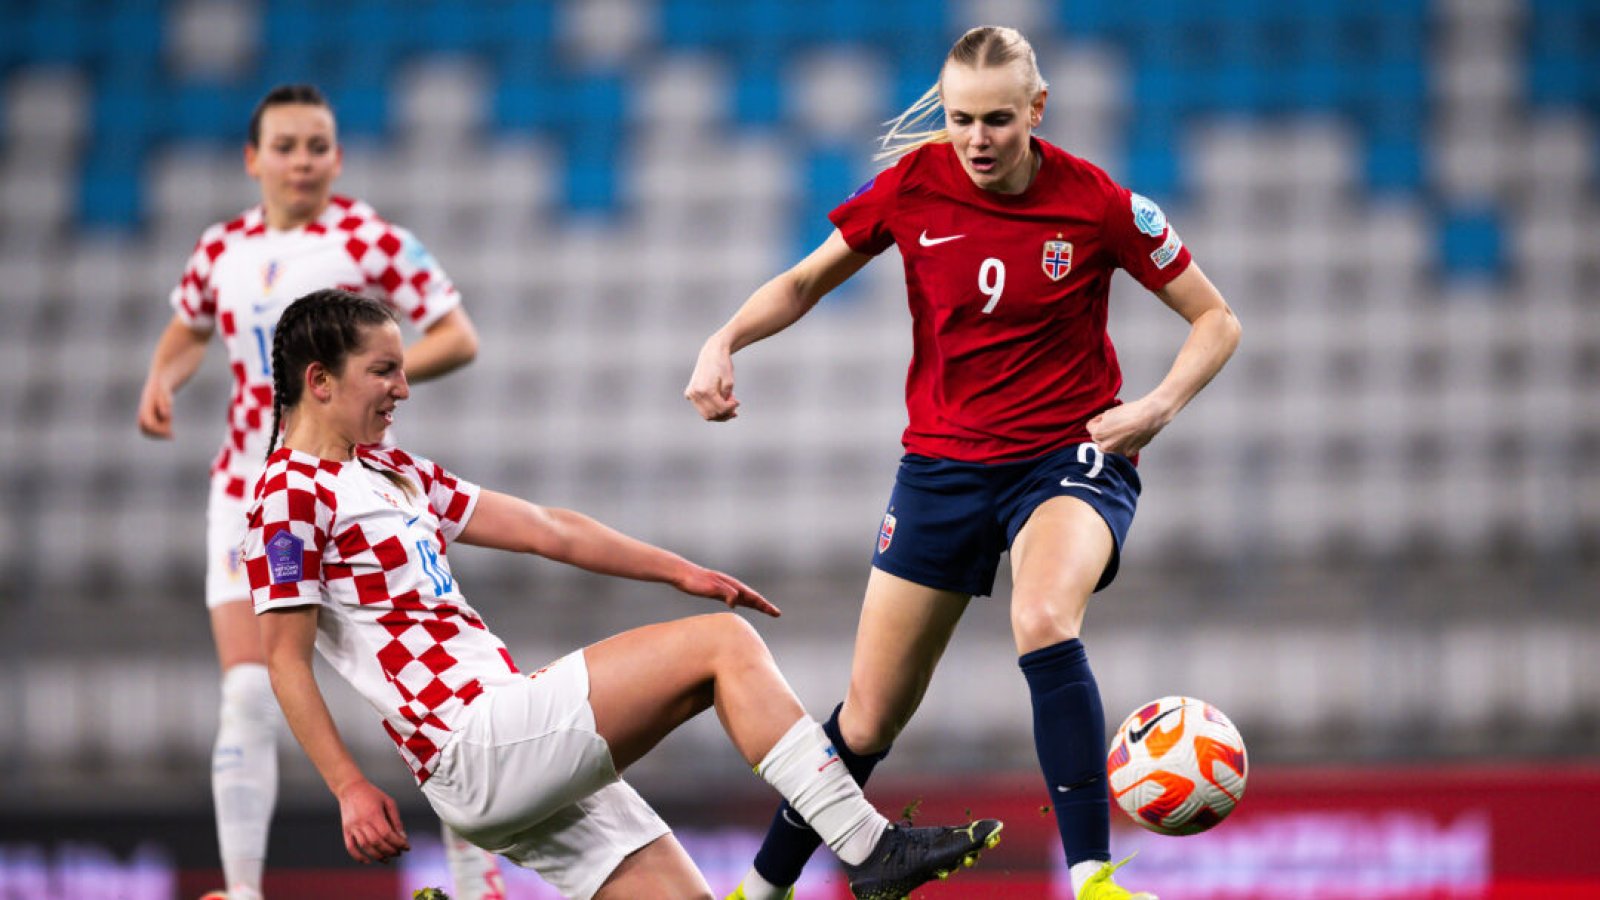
739, 894
429, 893
1101, 887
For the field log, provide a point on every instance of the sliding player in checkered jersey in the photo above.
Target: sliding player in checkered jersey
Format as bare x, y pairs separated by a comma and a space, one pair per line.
347, 551
1017, 439
241, 276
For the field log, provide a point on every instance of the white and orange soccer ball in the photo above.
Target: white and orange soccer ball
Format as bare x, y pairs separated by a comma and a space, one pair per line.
1177, 766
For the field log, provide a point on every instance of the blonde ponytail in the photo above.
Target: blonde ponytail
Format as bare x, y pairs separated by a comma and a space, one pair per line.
903, 135
982, 47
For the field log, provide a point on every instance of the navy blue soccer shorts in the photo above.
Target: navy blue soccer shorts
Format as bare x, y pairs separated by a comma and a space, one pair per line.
948, 522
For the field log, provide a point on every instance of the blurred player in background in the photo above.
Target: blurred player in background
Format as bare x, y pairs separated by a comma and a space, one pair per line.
347, 552
1017, 440
239, 279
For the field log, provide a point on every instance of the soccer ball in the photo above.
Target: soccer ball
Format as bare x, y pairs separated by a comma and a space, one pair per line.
1177, 766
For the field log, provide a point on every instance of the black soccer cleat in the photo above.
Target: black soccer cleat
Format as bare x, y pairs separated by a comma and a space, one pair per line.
906, 858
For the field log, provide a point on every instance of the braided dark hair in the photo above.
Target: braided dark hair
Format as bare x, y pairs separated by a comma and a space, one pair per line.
323, 327
284, 95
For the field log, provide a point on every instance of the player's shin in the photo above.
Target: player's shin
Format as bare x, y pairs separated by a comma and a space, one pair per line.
789, 841
1070, 738
805, 768
244, 775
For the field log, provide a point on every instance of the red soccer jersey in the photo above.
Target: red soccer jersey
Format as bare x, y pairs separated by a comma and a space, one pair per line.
1008, 296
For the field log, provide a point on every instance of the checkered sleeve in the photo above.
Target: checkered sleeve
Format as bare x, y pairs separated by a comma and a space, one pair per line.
452, 499
398, 268
194, 299
287, 535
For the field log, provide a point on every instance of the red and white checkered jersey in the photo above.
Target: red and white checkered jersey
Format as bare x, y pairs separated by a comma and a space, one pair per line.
243, 274
392, 619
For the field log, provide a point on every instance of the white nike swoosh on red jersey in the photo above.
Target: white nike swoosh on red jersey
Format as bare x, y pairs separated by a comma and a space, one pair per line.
926, 241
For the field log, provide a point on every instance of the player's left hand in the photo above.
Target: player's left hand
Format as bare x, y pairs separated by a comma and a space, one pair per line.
1126, 429
371, 824
703, 582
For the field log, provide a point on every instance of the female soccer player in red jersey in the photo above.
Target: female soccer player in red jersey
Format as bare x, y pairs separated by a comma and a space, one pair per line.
1017, 440
239, 279
347, 551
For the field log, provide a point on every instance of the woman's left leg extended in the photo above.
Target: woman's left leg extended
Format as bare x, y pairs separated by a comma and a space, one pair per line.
1057, 559
646, 682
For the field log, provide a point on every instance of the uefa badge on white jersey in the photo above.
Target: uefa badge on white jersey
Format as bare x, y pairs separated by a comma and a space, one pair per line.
1057, 260
1148, 217
286, 557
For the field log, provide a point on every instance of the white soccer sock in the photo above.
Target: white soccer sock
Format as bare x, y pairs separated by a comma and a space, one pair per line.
808, 772
1083, 872
757, 888
244, 774
474, 870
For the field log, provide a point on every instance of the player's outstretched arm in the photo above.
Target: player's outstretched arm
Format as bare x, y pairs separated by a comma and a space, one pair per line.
1213, 336
178, 354
773, 307
504, 522
370, 818
447, 345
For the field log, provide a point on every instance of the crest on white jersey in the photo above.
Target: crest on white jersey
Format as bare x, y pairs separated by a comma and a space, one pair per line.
269, 275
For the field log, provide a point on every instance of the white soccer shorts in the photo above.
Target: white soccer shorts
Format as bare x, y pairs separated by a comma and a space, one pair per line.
528, 777
225, 528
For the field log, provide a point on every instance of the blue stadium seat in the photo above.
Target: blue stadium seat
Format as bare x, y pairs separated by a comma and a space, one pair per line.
758, 93
1472, 243
523, 102
58, 33
593, 169
362, 105
111, 192
207, 112
830, 176
1394, 164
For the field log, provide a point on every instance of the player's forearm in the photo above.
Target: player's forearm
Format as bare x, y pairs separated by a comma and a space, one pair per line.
295, 685
578, 540
177, 356
773, 307
447, 345
288, 637
504, 522
1213, 337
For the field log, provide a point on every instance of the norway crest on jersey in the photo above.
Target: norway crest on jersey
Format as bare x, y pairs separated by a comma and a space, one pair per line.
1057, 259
886, 532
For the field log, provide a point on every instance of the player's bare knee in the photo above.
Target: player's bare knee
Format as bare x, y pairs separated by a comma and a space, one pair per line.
1039, 624
737, 638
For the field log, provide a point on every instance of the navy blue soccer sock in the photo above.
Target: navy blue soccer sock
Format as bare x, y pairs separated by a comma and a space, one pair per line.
1069, 734
790, 841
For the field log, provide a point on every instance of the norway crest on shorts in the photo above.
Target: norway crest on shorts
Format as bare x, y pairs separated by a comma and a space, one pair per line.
885, 532
1057, 260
